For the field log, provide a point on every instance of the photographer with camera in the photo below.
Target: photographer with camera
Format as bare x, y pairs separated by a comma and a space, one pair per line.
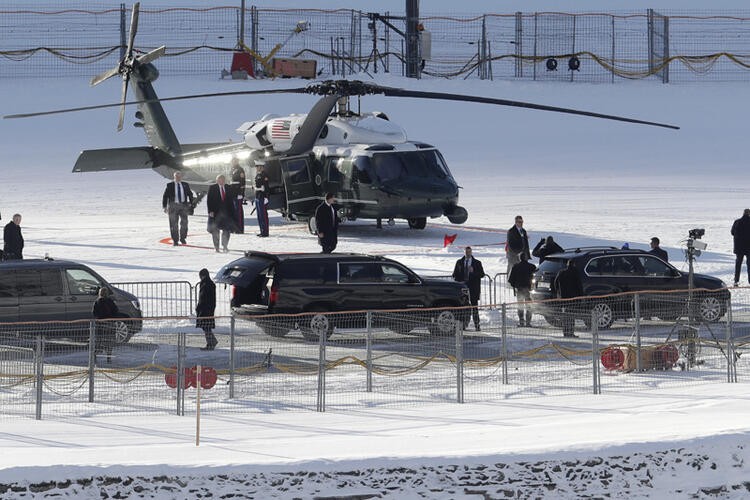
741, 234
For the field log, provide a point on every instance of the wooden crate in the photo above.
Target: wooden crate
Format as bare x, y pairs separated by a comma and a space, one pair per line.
303, 68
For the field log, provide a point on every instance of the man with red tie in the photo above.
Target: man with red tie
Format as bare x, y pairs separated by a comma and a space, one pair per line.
220, 213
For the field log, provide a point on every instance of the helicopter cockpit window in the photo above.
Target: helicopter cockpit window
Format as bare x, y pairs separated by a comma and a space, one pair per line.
360, 170
389, 166
333, 166
298, 171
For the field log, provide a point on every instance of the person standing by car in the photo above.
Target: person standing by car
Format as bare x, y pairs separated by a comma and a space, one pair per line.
567, 285
516, 244
327, 224
220, 213
13, 239
546, 246
262, 190
238, 195
741, 234
205, 308
657, 250
104, 311
470, 271
520, 279
177, 201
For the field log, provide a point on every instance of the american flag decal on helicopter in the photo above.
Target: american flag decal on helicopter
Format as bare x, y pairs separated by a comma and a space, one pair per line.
280, 129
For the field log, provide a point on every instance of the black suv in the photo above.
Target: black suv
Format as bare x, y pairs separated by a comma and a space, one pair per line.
606, 271
288, 284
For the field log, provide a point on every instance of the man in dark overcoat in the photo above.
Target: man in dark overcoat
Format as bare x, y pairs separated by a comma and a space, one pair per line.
470, 271
205, 309
327, 224
13, 239
741, 234
567, 285
520, 279
517, 244
220, 213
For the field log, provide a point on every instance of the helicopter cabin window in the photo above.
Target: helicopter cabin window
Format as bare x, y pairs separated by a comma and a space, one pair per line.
333, 166
298, 171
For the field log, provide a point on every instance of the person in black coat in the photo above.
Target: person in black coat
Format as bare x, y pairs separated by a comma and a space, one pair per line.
262, 191
470, 271
516, 244
327, 224
220, 213
741, 234
567, 285
239, 182
657, 250
13, 239
205, 308
546, 246
177, 202
104, 311
520, 279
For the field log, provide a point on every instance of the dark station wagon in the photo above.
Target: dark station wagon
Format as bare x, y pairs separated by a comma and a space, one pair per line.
288, 284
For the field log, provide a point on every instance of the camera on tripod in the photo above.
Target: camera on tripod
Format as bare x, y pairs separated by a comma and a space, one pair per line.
696, 234
694, 246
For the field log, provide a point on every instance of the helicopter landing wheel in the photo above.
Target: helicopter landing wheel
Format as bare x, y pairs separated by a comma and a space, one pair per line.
417, 222
391, 222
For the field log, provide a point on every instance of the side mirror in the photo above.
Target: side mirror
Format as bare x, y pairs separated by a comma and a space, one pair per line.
673, 273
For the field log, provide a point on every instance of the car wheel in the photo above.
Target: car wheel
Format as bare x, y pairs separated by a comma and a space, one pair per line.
315, 325
710, 309
443, 323
417, 222
604, 313
121, 332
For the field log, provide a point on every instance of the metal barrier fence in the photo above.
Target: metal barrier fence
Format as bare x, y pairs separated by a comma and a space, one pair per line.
84, 39
166, 299
317, 361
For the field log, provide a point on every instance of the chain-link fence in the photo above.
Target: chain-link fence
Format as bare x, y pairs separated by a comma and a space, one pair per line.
84, 39
318, 360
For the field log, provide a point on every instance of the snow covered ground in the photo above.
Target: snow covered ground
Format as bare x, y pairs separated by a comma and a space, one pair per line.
582, 180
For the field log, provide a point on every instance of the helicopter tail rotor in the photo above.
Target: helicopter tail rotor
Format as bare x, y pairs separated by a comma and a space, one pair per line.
129, 64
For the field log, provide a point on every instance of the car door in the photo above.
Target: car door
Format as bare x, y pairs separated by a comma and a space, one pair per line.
660, 276
83, 288
8, 296
41, 294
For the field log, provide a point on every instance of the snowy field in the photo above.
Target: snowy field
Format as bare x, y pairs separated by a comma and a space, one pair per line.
584, 181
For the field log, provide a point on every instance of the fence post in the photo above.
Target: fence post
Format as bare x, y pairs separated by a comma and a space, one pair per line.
595, 351
638, 365
39, 362
368, 340
231, 357
460, 361
180, 374
504, 343
731, 358
519, 45
321, 403
92, 358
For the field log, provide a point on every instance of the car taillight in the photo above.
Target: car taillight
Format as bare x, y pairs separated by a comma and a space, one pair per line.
234, 292
273, 297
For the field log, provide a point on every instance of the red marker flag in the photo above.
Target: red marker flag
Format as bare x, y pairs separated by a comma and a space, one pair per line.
449, 239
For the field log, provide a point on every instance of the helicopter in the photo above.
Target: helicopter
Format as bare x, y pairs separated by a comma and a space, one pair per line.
365, 159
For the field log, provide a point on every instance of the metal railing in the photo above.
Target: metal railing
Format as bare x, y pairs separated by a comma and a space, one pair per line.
318, 361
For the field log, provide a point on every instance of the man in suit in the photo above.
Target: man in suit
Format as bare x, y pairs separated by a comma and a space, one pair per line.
657, 250
567, 285
520, 279
741, 235
238, 197
262, 190
517, 244
177, 202
470, 271
220, 213
13, 239
327, 224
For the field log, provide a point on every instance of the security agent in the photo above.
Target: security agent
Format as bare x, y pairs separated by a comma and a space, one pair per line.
177, 202
262, 189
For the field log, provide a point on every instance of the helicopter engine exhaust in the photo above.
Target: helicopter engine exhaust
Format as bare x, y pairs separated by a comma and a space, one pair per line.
456, 214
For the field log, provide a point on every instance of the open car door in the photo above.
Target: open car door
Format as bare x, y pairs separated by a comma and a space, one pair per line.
302, 186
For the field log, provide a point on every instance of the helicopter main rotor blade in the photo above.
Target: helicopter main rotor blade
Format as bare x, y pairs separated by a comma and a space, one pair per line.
396, 92
313, 124
106, 75
163, 99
